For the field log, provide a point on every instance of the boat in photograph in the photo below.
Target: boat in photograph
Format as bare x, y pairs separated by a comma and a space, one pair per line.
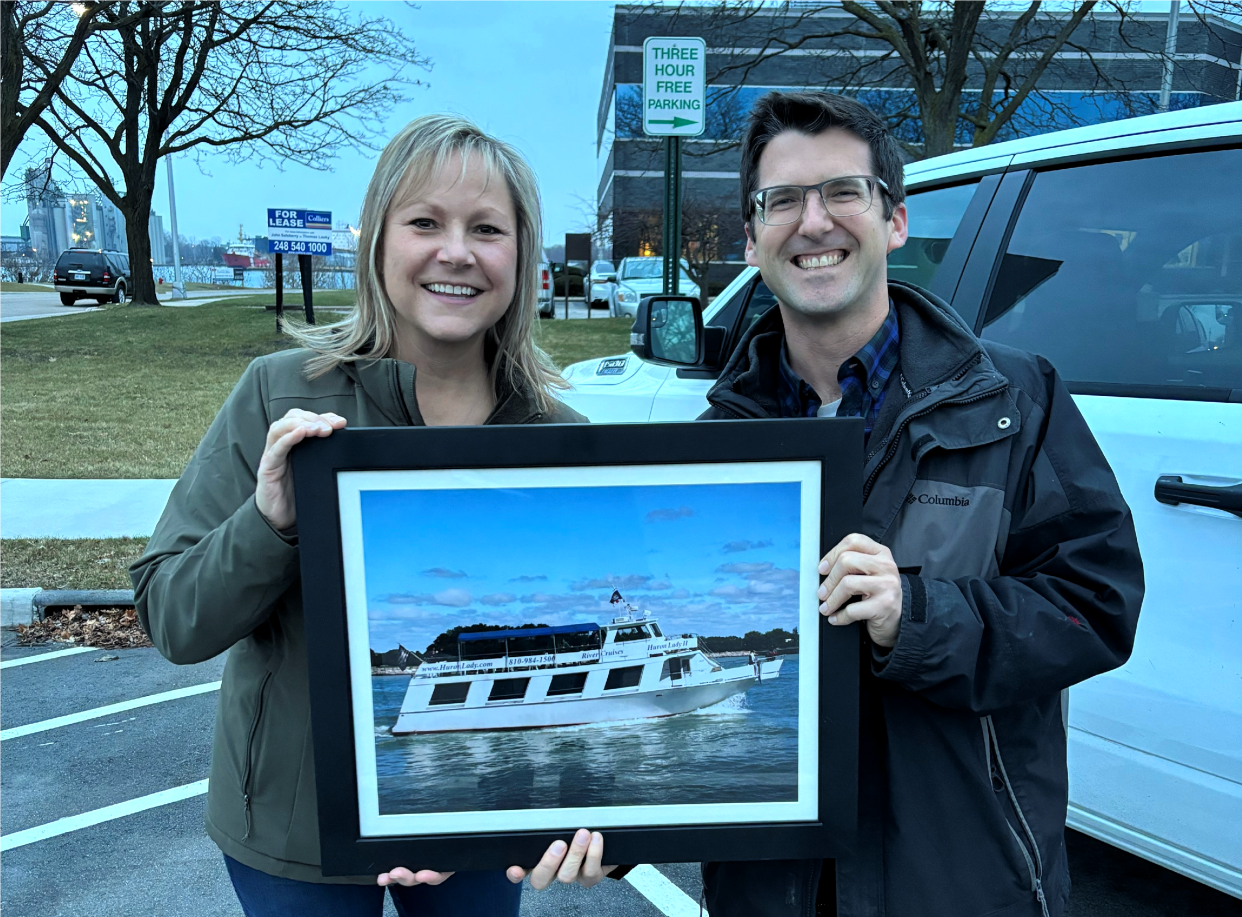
536, 677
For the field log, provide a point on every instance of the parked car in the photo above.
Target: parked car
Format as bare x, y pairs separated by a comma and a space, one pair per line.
1116, 252
91, 273
547, 305
644, 276
577, 277
601, 285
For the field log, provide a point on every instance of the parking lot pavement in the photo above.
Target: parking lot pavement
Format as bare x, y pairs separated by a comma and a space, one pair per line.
149, 855
152, 858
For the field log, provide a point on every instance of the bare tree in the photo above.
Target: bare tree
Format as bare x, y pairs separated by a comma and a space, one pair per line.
278, 80
973, 69
708, 226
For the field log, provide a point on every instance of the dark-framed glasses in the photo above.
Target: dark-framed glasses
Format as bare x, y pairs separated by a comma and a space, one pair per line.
842, 197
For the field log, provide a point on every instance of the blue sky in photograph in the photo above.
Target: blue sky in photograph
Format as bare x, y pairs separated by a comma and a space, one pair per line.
711, 559
529, 72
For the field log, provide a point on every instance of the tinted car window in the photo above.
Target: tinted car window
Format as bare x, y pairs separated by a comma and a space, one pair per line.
934, 217
761, 301
80, 260
1129, 273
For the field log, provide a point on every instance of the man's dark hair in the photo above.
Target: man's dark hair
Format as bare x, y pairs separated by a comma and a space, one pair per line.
812, 113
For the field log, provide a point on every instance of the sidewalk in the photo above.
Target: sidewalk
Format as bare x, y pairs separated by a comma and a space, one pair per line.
74, 508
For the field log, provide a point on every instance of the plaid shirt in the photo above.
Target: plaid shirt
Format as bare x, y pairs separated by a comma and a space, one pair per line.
863, 378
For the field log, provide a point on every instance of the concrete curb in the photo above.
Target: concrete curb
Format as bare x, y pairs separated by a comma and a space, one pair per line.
17, 607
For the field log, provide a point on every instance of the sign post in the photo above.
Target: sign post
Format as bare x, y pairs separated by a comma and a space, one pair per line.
674, 86
302, 233
577, 248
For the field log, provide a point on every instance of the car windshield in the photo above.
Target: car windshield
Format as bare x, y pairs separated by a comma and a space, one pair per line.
604, 267
649, 268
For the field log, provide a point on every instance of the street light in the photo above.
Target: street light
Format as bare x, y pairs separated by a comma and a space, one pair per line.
178, 288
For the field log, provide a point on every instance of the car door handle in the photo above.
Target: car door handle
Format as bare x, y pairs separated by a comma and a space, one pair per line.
1171, 491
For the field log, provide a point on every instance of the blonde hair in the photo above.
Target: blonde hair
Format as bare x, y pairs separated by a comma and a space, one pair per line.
416, 154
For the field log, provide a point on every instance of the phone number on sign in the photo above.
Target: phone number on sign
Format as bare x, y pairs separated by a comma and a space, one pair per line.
301, 248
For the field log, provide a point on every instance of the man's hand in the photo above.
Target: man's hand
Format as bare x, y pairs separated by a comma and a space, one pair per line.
578, 862
858, 566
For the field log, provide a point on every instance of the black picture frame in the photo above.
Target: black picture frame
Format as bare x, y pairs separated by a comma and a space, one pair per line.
835, 444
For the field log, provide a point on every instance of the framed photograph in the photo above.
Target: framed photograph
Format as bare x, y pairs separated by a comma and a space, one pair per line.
515, 632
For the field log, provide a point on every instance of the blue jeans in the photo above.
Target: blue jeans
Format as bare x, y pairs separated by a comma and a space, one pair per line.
467, 894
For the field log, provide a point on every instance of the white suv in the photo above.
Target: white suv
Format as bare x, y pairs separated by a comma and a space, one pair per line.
1116, 252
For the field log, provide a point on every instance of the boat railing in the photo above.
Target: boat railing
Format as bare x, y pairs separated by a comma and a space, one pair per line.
711, 657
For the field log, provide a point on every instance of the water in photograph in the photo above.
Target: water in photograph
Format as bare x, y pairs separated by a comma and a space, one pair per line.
744, 749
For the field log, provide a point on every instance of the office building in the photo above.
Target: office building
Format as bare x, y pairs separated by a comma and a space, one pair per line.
630, 166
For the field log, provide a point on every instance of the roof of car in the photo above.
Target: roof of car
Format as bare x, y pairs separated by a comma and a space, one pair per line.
1190, 127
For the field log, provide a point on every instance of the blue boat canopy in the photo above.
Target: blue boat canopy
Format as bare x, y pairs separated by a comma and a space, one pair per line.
528, 632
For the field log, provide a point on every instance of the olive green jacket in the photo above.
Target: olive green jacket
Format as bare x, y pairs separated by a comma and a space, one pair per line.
215, 576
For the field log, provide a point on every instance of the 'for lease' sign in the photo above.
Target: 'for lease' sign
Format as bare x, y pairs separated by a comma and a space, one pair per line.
299, 232
674, 80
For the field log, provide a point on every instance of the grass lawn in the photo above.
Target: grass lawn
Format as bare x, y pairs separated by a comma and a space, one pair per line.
10, 286
68, 563
127, 392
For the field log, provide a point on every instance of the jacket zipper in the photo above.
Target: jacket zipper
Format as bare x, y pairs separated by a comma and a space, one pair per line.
892, 443
254, 728
1034, 862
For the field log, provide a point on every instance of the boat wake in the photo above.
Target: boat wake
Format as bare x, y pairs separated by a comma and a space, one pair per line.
733, 705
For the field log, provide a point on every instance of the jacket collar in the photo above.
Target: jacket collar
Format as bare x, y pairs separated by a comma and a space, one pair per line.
941, 361
389, 383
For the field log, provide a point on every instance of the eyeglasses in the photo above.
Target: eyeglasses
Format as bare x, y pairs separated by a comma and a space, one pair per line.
842, 197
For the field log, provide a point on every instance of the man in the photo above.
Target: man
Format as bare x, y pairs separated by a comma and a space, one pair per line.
997, 563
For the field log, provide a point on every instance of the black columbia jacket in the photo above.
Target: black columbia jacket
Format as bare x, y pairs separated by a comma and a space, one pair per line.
981, 475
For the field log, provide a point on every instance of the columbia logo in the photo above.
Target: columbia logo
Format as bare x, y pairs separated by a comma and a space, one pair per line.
937, 500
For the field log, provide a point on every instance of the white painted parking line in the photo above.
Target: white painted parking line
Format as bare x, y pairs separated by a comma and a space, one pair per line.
667, 897
110, 710
26, 660
99, 816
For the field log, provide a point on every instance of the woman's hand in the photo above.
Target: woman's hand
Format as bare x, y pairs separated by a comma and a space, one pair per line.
402, 876
273, 493
580, 862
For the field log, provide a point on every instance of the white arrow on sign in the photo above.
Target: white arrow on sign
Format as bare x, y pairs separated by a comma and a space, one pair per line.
674, 85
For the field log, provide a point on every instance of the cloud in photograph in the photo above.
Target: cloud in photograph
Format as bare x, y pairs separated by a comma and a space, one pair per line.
742, 568
737, 547
669, 515
445, 573
499, 598
405, 598
524, 578
632, 581
454, 598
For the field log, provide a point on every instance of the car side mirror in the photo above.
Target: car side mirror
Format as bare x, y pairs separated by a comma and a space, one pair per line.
669, 330
610, 278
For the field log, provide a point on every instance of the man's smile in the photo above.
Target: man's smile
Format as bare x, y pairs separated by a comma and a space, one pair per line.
821, 260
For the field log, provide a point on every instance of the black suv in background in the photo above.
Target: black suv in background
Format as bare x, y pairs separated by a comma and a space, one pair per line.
91, 273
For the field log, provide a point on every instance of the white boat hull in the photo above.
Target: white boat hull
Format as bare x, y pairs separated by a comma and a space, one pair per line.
665, 699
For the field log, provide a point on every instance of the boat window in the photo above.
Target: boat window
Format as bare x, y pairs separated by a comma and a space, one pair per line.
629, 677
567, 684
631, 633
673, 668
655, 629
577, 642
452, 693
508, 689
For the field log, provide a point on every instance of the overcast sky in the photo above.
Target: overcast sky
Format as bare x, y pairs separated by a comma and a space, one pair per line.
528, 72
711, 559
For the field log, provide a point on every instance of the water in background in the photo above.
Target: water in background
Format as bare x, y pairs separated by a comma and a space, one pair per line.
742, 750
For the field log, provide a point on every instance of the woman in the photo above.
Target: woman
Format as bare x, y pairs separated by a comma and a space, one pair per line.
447, 259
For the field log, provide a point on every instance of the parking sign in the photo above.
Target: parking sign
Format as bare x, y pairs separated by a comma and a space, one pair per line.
674, 80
